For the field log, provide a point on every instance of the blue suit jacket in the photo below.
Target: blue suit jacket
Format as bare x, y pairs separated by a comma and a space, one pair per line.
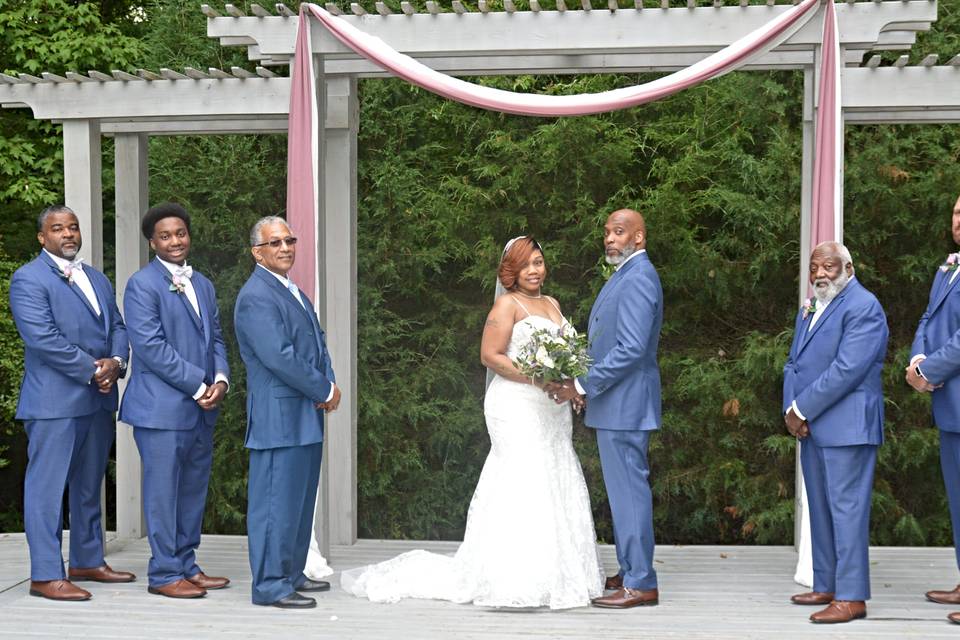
288, 366
833, 370
62, 336
174, 351
623, 383
938, 337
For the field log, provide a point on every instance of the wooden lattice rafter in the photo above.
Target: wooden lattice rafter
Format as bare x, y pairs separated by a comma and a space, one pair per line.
580, 36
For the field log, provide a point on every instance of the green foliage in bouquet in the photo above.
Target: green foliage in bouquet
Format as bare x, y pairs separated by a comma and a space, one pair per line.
554, 355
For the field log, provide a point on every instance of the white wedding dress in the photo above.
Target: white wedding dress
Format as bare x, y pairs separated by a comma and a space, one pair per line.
529, 540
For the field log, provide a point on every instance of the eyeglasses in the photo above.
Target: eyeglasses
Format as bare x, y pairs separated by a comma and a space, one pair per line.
275, 243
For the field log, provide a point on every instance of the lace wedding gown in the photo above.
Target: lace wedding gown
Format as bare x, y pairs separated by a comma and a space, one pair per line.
529, 540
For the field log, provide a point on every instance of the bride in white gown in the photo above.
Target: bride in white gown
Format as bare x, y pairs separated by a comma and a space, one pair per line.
529, 539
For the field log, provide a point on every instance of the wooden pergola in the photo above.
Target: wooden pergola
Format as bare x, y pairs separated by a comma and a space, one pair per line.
568, 40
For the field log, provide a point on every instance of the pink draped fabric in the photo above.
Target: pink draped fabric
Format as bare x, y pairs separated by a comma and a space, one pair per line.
735, 55
827, 188
303, 163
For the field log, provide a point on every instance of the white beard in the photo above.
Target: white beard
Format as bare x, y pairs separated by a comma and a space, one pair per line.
621, 257
833, 288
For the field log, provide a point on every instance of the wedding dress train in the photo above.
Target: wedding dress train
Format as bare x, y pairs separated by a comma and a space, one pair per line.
529, 539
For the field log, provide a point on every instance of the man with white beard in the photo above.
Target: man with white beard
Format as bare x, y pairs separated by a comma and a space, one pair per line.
833, 403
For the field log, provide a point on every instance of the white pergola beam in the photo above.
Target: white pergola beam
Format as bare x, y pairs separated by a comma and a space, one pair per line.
916, 94
578, 64
223, 97
701, 29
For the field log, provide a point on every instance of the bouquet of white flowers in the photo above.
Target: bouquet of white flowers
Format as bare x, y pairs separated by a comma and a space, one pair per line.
554, 355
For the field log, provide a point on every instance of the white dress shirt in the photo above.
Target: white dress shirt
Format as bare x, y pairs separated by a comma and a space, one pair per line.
821, 307
191, 294
188, 289
80, 279
295, 292
576, 383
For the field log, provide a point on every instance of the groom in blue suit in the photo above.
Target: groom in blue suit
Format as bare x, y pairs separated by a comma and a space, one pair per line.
75, 348
833, 402
180, 375
290, 384
622, 390
935, 368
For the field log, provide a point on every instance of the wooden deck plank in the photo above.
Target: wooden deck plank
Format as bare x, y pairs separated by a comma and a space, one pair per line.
707, 592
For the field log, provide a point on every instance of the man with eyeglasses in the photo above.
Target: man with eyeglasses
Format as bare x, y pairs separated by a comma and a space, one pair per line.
290, 384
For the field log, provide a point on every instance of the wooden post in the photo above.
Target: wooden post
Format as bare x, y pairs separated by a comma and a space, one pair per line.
83, 192
321, 516
338, 279
82, 189
132, 200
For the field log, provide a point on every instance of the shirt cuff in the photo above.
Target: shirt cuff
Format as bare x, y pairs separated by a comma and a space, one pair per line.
576, 383
333, 387
796, 410
914, 359
222, 378
919, 371
202, 389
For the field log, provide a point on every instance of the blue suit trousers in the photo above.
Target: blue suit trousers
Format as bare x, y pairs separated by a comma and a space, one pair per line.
950, 467
626, 473
839, 483
72, 454
176, 472
282, 493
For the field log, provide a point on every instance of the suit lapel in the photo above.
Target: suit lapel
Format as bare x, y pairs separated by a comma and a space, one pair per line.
829, 311
72, 286
280, 290
945, 288
612, 284
187, 307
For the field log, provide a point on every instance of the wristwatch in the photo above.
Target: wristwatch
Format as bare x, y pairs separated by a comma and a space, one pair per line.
121, 362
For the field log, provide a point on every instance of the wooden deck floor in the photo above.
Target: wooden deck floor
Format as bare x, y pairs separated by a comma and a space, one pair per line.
706, 592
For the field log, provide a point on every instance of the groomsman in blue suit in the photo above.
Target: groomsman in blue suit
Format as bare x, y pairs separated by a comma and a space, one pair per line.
290, 384
622, 390
179, 379
833, 402
75, 348
935, 368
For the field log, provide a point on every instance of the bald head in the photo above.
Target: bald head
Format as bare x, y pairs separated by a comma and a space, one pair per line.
624, 234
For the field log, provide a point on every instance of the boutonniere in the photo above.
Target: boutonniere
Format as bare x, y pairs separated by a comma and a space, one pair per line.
67, 274
809, 307
952, 262
178, 284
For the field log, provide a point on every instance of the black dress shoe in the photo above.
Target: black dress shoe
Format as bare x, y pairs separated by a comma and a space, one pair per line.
314, 585
295, 601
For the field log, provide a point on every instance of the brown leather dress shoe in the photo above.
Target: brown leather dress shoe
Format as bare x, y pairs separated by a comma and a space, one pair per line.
626, 598
614, 583
101, 574
841, 611
954, 617
945, 597
178, 589
59, 590
812, 597
204, 581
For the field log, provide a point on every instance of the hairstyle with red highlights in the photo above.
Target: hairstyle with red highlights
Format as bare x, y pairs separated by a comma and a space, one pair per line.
515, 259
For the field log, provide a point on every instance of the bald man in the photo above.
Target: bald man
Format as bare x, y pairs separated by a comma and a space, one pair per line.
622, 389
833, 404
